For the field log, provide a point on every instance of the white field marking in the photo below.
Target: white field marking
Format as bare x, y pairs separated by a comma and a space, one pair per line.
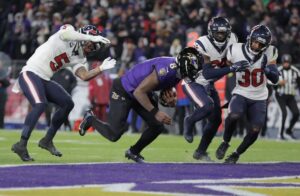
175, 163
117, 187
225, 181
3, 138
231, 190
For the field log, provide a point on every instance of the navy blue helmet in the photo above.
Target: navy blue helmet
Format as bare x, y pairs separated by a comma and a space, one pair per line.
190, 62
261, 34
92, 30
219, 30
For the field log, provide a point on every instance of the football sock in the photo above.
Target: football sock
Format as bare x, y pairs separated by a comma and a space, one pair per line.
230, 126
147, 137
58, 119
248, 141
31, 119
209, 132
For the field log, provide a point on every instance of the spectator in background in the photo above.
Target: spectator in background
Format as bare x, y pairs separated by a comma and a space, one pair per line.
99, 88
4, 83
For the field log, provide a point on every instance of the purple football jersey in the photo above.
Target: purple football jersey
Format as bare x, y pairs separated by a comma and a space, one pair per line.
165, 68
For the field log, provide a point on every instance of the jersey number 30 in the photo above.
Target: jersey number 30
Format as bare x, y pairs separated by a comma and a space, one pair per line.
254, 78
58, 61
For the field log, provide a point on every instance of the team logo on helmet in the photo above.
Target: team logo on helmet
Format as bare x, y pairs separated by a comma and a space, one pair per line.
261, 34
219, 30
190, 62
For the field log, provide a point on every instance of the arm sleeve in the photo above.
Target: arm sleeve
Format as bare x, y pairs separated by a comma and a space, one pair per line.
68, 33
211, 73
272, 74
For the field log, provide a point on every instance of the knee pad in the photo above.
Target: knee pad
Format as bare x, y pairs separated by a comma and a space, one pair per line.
235, 116
115, 137
39, 107
207, 108
252, 135
69, 104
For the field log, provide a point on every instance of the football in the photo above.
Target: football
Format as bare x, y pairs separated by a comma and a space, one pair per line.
168, 97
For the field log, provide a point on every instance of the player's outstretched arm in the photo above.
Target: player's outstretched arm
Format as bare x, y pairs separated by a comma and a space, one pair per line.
271, 72
68, 33
86, 75
140, 93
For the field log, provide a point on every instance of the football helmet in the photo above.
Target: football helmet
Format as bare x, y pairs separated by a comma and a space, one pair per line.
190, 62
261, 34
219, 30
286, 58
92, 46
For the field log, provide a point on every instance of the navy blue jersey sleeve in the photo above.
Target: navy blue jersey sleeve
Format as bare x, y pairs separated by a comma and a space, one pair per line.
209, 72
272, 73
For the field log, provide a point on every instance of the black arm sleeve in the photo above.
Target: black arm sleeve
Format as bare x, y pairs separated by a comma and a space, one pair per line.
209, 72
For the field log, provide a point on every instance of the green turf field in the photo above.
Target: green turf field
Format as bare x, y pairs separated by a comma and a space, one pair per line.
166, 148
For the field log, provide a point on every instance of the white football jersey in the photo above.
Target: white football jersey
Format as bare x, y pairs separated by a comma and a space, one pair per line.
55, 54
217, 56
251, 83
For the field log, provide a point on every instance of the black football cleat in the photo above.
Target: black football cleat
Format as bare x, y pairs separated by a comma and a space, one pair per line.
188, 131
21, 151
221, 151
135, 157
86, 123
202, 156
48, 145
232, 159
291, 135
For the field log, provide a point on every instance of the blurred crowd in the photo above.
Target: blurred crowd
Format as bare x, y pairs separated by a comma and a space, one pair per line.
143, 29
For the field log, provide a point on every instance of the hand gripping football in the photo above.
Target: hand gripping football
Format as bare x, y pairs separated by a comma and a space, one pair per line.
168, 97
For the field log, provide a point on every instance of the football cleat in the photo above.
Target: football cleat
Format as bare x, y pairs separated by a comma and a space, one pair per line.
21, 151
135, 157
49, 146
86, 123
202, 156
188, 131
290, 135
221, 151
232, 159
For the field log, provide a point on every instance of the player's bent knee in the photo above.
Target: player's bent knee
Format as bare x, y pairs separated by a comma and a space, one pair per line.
115, 138
39, 107
235, 116
69, 104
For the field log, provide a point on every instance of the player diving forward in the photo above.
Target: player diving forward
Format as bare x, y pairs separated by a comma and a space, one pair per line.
65, 48
135, 91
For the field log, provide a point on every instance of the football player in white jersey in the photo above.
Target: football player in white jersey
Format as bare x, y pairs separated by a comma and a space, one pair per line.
250, 94
65, 48
213, 47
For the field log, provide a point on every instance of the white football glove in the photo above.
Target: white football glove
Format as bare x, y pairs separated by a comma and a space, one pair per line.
108, 63
99, 38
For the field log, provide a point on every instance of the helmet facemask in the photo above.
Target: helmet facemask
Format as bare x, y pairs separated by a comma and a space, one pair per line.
189, 61
219, 30
260, 37
89, 48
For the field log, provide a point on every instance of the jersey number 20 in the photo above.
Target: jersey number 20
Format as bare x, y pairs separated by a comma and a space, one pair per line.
58, 61
254, 78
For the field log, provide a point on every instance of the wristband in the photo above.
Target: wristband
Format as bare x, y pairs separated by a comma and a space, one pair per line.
154, 111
